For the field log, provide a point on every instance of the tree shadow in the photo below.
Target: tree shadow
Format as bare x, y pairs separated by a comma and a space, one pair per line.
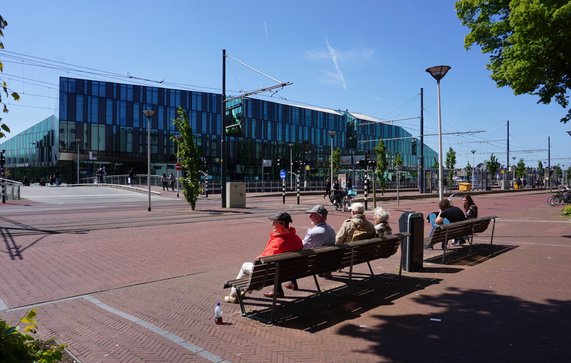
473, 325
13, 249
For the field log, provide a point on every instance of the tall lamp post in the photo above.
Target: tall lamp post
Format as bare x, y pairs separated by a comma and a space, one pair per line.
77, 141
438, 72
332, 133
290, 167
473, 170
149, 115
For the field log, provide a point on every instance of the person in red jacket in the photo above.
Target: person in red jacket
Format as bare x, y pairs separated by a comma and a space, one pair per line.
283, 238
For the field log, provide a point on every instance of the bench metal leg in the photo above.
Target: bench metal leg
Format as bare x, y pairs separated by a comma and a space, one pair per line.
317, 283
493, 227
370, 269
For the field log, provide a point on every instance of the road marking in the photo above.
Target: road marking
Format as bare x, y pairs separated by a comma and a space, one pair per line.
155, 329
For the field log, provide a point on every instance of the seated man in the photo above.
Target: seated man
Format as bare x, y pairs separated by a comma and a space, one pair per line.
282, 239
447, 212
357, 227
320, 234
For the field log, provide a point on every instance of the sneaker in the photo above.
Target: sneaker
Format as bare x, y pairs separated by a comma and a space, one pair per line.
231, 299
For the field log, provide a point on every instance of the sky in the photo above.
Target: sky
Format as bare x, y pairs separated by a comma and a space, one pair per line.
366, 56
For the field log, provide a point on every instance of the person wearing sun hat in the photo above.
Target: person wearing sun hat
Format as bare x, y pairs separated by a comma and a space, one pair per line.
283, 238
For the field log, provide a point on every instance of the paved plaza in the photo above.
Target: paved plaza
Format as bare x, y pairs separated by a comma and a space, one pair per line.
117, 283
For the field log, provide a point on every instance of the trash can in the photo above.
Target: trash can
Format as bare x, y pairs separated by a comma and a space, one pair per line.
412, 250
464, 186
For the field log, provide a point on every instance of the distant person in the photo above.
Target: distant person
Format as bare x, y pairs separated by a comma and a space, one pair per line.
131, 176
165, 181
355, 228
319, 234
283, 238
58, 178
382, 226
327, 188
172, 180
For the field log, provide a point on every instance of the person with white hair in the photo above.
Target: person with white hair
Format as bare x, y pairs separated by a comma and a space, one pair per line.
355, 228
382, 226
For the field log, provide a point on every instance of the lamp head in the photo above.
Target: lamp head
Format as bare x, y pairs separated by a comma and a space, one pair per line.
438, 72
149, 113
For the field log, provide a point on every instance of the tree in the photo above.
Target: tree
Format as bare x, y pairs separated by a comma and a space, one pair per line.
492, 165
381, 152
398, 160
520, 169
540, 170
189, 158
528, 43
6, 91
468, 169
336, 162
450, 164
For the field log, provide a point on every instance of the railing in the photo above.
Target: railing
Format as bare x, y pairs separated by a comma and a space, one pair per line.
138, 180
12, 188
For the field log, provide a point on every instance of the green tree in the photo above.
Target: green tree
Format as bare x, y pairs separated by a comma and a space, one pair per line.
557, 172
450, 164
540, 170
336, 162
189, 158
528, 44
5, 90
468, 169
381, 152
492, 165
398, 160
520, 169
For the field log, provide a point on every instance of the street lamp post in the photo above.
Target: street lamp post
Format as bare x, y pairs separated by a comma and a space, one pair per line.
332, 133
438, 72
149, 115
77, 141
473, 170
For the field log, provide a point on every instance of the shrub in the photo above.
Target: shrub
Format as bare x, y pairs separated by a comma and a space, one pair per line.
18, 346
566, 211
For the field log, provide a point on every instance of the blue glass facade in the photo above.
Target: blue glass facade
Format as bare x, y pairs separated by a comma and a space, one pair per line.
105, 120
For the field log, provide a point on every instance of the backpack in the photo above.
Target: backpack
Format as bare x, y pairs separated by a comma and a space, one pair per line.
360, 234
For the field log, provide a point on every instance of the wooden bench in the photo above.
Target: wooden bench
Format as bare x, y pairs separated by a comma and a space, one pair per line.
276, 269
464, 229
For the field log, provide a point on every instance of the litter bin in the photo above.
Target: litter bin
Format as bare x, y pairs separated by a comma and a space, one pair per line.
464, 186
412, 250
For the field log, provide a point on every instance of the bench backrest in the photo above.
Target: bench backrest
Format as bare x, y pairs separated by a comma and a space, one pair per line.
305, 263
460, 229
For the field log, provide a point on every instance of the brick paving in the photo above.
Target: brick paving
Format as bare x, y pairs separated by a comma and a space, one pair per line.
120, 284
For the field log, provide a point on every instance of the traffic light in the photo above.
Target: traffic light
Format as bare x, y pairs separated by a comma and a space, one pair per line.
279, 162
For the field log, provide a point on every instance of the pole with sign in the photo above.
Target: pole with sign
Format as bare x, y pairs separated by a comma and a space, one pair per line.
283, 174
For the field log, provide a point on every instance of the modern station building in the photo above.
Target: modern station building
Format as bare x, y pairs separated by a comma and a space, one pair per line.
101, 124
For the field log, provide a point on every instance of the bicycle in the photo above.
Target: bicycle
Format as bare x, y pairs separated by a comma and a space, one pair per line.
563, 196
348, 199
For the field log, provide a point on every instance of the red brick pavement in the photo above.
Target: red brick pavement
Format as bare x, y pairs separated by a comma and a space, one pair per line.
160, 277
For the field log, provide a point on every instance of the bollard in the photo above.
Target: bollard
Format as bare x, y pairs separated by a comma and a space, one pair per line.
206, 185
297, 185
366, 190
283, 190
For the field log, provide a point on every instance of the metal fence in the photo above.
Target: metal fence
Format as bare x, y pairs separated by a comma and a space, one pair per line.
12, 188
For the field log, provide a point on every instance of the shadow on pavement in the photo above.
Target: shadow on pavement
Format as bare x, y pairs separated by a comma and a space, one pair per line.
318, 312
473, 325
462, 256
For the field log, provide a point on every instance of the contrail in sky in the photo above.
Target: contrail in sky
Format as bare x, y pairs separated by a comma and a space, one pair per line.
333, 55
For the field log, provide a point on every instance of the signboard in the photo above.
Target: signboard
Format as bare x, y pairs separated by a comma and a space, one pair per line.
178, 166
283, 174
267, 163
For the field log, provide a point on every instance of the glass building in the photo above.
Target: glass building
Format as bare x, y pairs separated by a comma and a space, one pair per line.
101, 124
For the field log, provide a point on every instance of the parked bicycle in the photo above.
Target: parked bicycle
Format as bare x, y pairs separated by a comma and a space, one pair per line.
563, 196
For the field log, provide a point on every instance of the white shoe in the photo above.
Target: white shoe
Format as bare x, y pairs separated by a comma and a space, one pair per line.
231, 299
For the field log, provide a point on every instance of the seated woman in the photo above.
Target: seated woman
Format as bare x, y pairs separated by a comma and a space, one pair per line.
382, 222
470, 208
